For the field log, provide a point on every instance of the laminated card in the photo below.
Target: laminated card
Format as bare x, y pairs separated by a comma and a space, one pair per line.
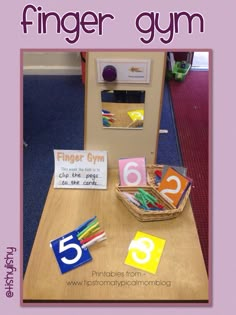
80, 169
145, 252
173, 186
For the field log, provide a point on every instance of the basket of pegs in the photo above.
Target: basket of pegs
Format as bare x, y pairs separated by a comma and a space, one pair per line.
147, 203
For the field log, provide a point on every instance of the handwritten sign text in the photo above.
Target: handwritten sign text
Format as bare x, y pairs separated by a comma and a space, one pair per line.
80, 169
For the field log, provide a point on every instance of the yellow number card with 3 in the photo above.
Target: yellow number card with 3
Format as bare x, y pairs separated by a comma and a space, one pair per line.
145, 252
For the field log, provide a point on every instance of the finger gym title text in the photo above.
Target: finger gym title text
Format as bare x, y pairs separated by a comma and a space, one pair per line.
149, 24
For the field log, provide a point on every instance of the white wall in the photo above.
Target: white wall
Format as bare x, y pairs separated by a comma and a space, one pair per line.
51, 62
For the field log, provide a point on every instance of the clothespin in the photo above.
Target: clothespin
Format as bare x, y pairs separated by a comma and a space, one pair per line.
92, 227
148, 201
85, 224
158, 176
88, 233
104, 111
144, 198
95, 239
155, 206
158, 173
106, 122
147, 196
131, 198
107, 113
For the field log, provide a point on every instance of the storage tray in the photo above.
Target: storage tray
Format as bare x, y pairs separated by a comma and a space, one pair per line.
170, 211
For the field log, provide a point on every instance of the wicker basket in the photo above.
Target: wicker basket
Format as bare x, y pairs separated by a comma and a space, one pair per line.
151, 215
170, 211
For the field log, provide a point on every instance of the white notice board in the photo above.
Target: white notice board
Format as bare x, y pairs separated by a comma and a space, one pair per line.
80, 169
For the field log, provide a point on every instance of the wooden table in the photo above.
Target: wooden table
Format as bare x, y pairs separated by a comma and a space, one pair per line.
181, 275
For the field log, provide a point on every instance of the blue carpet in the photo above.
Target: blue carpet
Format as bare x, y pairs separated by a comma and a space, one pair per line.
168, 145
54, 119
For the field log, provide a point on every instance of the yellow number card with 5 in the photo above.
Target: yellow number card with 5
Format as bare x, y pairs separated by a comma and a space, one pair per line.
145, 252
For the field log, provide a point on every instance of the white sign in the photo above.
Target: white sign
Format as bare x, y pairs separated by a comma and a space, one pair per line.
80, 169
128, 70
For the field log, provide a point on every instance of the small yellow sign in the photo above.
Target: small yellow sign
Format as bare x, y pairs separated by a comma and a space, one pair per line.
145, 252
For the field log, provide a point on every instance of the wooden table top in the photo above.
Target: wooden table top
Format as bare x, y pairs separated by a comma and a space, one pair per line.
181, 274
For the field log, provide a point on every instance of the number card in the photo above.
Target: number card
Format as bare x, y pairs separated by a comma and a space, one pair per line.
69, 253
173, 185
145, 252
133, 172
